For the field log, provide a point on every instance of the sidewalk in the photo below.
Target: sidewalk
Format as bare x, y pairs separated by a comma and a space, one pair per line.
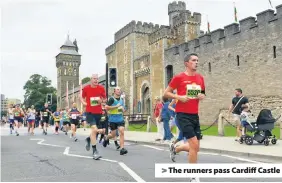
215, 144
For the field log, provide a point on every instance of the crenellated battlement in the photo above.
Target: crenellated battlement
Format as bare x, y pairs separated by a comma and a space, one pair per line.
186, 17
110, 49
176, 6
163, 32
138, 27
246, 29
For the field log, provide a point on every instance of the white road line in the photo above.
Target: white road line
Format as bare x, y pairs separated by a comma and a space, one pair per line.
131, 172
241, 159
67, 149
42, 140
66, 152
153, 147
214, 154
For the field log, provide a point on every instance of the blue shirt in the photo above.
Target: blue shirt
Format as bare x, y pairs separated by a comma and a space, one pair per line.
116, 114
166, 113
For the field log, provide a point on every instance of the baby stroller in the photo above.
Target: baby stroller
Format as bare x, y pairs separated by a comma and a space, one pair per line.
262, 129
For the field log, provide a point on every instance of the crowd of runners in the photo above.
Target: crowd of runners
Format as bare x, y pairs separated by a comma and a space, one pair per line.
105, 116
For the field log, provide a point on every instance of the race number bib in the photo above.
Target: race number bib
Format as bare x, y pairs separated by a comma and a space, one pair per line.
45, 114
94, 101
17, 114
73, 116
192, 90
11, 117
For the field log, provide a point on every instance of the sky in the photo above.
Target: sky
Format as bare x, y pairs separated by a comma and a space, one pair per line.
32, 31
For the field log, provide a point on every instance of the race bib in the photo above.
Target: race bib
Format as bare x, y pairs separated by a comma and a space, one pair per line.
192, 90
11, 117
17, 114
73, 116
45, 114
94, 101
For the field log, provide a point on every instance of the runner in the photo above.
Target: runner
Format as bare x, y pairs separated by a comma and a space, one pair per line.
66, 120
93, 95
45, 116
57, 117
83, 120
172, 108
11, 117
103, 124
115, 107
31, 119
74, 113
190, 88
18, 113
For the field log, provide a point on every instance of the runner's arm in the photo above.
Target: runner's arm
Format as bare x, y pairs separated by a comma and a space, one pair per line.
171, 104
108, 105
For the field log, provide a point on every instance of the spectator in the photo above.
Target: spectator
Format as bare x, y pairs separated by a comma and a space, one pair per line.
165, 116
159, 123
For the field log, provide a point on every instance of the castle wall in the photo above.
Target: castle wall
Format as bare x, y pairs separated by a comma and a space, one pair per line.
239, 57
157, 68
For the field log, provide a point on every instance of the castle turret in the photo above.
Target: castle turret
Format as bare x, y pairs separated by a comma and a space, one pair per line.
174, 9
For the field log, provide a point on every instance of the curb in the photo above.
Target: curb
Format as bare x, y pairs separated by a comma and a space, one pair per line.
258, 157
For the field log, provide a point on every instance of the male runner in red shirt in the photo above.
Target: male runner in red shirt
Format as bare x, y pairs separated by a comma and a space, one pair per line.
190, 88
93, 96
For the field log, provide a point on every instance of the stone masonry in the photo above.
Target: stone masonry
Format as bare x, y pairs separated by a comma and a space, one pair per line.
247, 55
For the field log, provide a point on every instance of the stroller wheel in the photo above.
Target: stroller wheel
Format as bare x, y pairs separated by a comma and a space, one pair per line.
266, 142
273, 141
249, 140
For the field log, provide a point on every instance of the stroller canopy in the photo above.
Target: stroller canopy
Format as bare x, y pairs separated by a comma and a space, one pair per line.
265, 116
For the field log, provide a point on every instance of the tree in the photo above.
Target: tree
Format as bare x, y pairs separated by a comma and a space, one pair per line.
36, 90
85, 80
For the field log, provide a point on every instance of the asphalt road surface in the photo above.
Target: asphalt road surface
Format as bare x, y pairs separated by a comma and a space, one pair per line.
56, 158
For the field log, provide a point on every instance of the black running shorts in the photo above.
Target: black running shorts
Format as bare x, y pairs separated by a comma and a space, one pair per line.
74, 121
115, 126
66, 122
93, 119
45, 120
189, 125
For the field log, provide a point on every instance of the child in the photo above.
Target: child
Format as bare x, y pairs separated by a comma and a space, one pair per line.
245, 120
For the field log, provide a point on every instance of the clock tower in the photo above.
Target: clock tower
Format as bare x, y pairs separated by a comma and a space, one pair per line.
67, 63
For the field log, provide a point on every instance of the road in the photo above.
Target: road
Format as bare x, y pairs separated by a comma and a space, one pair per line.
55, 158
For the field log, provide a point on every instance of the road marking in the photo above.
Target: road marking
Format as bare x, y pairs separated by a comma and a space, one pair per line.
153, 147
67, 149
131, 172
214, 154
42, 140
241, 159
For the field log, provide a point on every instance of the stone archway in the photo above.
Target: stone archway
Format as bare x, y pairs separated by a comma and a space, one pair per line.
146, 98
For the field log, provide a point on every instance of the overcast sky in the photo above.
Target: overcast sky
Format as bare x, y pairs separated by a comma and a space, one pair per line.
32, 31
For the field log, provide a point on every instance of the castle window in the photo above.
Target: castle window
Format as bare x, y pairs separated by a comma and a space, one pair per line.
238, 60
209, 67
169, 73
274, 51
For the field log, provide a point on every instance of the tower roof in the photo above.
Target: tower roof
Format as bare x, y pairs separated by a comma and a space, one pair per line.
68, 42
68, 48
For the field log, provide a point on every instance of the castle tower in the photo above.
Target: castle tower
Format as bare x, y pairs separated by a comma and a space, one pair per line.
184, 24
67, 62
174, 9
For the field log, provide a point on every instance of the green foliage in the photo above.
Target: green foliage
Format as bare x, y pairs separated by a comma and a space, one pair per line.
85, 80
36, 90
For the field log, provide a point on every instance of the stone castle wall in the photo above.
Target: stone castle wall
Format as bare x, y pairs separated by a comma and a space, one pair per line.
246, 55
